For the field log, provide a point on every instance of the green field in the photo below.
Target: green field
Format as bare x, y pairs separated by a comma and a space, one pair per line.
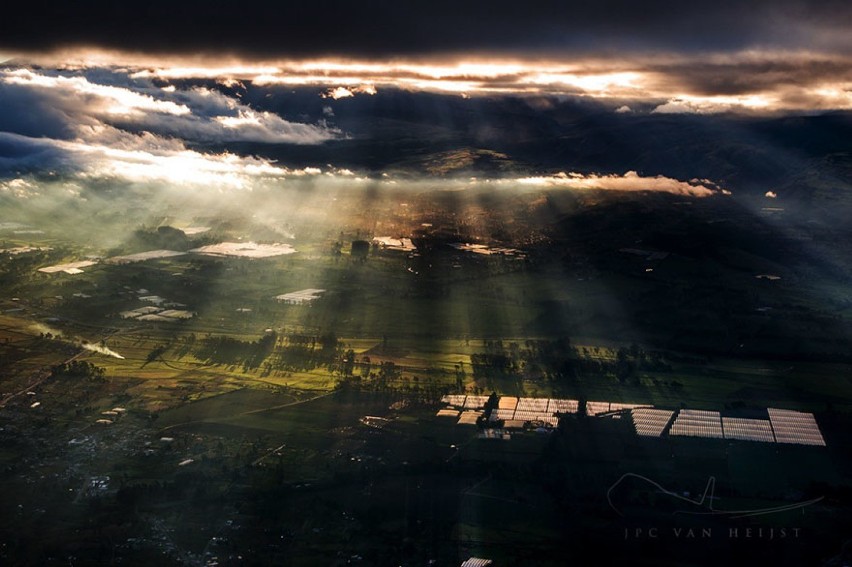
307, 433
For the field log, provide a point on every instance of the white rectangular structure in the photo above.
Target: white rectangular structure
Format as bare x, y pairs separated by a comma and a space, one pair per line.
70, 268
618, 406
475, 402
524, 416
596, 408
301, 297
527, 415
562, 406
650, 422
538, 405
245, 249
456, 400
142, 256
796, 427
697, 423
469, 417
747, 429
176, 314
500, 414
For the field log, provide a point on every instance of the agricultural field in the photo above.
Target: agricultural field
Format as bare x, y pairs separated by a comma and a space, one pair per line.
259, 392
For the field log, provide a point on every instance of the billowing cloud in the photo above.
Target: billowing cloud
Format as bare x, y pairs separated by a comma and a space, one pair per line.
102, 124
18, 187
131, 158
712, 104
144, 120
343, 92
136, 159
83, 106
630, 181
99, 99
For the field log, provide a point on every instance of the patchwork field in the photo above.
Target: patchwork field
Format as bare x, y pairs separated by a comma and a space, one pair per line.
200, 390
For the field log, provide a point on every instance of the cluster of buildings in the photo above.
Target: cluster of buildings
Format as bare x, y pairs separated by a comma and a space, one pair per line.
779, 426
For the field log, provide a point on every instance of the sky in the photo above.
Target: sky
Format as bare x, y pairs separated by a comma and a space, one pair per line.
380, 29
132, 89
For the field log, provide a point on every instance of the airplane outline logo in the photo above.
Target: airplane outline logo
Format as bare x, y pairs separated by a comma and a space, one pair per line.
708, 496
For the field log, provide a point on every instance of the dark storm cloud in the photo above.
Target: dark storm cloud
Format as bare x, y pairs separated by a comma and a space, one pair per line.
744, 76
19, 154
391, 28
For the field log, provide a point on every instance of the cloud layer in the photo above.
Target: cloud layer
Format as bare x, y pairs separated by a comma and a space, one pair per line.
752, 81
136, 159
82, 106
100, 123
630, 181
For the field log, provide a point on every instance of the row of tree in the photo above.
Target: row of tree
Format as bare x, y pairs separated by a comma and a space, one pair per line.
559, 360
77, 369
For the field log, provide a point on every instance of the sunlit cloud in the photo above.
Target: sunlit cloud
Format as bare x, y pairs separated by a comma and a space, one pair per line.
18, 187
200, 72
343, 92
139, 118
100, 98
686, 104
750, 81
194, 113
140, 159
630, 181
590, 83
147, 159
